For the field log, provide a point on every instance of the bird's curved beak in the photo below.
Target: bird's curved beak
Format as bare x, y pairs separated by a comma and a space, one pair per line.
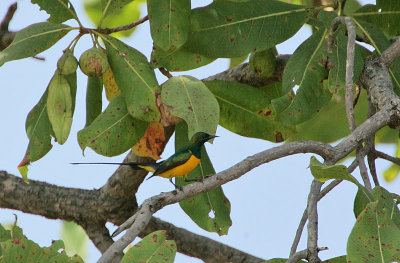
211, 137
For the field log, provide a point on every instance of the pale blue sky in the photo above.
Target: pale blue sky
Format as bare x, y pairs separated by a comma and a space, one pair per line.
267, 202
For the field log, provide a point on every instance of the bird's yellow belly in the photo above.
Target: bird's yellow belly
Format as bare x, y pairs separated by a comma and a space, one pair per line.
182, 170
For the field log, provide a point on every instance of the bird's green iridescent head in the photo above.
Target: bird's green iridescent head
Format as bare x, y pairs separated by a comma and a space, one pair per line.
200, 138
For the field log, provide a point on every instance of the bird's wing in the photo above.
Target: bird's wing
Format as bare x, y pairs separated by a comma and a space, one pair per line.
175, 160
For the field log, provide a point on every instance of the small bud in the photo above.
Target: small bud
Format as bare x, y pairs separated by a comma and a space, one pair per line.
263, 63
67, 63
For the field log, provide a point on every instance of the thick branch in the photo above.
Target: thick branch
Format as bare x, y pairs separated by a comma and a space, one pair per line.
50, 200
243, 74
390, 54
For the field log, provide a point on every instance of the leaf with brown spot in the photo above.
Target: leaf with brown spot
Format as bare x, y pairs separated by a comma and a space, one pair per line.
135, 78
169, 22
150, 145
234, 29
17, 248
33, 40
311, 94
178, 60
374, 235
244, 111
191, 100
152, 248
114, 131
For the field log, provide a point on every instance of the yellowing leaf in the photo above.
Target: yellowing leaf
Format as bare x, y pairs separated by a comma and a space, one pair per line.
110, 84
150, 145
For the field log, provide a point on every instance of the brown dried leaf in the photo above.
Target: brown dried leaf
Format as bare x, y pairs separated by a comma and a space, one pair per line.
150, 145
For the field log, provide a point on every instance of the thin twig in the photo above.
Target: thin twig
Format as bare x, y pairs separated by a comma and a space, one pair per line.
388, 157
7, 18
312, 226
121, 28
6, 36
304, 218
165, 72
349, 97
370, 144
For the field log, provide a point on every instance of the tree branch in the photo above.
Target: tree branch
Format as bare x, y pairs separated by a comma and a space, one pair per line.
387, 157
243, 74
390, 54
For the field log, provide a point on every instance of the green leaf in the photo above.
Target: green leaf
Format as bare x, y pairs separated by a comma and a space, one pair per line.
324, 172
20, 249
134, 78
380, 42
385, 14
244, 110
337, 72
233, 29
153, 248
169, 22
360, 202
75, 239
59, 106
116, 16
233, 62
198, 207
113, 6
306, 68
114, 131
93, 99
177, 60
4, 234
374, 238
39, 131
59, 10
33, 40
188, 98
351, 6
387, 202
341, 259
